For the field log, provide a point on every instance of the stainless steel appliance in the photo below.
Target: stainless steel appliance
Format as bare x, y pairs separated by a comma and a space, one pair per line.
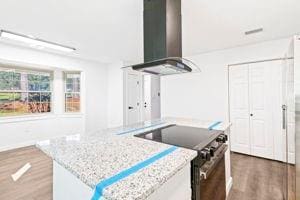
166, 66
208, 168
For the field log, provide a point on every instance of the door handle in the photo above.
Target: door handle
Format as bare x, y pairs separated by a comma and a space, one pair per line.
130, 107
251, 115
284, 117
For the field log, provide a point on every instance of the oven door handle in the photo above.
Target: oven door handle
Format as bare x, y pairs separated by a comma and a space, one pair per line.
208, 167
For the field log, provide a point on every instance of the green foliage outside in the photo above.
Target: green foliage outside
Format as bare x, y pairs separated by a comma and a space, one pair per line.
13, 80
8, 96
15, 103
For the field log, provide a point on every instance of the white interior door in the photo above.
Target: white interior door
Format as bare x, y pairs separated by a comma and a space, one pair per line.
255, 109
155, 97
260, 106
133, 95
147, 97
239, 109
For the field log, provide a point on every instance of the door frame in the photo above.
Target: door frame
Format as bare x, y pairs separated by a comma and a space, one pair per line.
155, 111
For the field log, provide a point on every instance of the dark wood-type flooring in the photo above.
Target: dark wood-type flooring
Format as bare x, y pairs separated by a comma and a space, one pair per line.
259, 179
253, 178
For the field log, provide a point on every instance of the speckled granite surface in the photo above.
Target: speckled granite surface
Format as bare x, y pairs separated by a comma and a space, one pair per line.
196, 123
100, 155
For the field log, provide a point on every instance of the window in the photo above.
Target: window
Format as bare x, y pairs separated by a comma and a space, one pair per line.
72, 91
24, 92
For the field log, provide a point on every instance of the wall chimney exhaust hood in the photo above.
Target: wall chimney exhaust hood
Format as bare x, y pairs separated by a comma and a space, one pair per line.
166, 66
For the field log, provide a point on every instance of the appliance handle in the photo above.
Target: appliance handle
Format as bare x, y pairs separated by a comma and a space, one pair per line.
208, 167
284, 107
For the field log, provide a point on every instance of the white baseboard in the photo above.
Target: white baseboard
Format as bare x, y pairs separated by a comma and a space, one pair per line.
229, 185
15, 146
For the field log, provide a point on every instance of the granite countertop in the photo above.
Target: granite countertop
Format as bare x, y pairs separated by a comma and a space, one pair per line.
96, 156
197, 123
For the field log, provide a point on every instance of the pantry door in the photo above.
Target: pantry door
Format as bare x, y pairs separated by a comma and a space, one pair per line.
261, 105
239, 108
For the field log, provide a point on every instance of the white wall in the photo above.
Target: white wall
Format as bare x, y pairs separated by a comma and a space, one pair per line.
213, 25
96, 96
22, 131
115, 94
204, 95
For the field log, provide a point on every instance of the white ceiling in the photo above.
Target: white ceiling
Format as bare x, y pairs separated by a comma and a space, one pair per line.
218, 24
107, 30
102, 30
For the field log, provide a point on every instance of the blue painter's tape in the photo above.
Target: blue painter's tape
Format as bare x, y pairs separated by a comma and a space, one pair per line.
107, 182
137, 129
211, 127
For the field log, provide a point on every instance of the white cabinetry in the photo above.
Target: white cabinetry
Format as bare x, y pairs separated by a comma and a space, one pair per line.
255, 92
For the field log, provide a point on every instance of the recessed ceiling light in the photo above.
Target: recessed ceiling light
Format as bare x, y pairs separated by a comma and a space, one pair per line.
34, 42
254, 31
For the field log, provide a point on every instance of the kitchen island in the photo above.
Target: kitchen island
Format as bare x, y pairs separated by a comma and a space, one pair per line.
112, 164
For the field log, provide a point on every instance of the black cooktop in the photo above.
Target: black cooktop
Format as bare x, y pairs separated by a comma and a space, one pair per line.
182, 136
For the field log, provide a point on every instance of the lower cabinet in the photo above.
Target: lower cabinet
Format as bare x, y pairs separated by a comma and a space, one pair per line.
255, 101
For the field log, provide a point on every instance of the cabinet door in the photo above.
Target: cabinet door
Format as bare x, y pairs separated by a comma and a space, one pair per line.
261, 104
239, 109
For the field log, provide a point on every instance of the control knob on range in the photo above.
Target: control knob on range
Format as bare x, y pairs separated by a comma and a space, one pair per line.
205, 154
212, 151
226, 137
222, 138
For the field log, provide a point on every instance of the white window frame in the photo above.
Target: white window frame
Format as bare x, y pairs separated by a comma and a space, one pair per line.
66, 92
19, 68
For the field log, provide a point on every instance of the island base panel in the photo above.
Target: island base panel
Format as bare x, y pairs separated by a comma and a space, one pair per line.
67, 186
176, 188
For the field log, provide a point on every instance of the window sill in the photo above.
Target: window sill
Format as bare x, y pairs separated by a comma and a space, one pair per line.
27, 118
72, 115
14, 119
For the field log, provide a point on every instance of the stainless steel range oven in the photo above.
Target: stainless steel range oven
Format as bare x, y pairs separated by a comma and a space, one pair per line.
208, 177
208, 168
